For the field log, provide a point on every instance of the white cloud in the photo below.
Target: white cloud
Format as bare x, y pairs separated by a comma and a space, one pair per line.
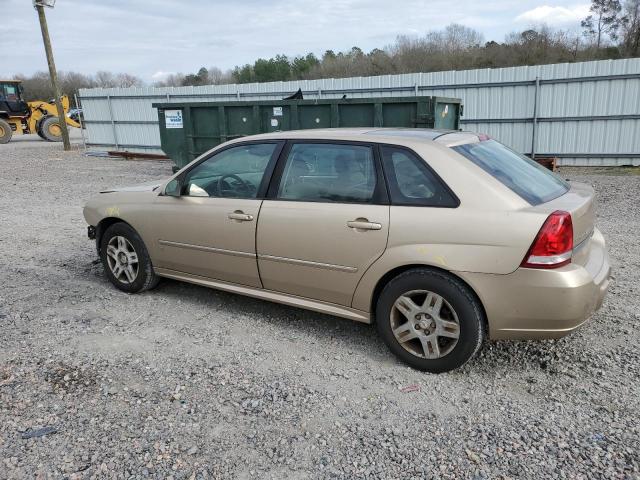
160, 75
554, 15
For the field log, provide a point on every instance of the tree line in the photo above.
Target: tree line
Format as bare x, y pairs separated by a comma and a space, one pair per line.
610, 31
38, 85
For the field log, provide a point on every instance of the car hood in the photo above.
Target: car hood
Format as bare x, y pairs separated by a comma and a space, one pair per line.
142, 187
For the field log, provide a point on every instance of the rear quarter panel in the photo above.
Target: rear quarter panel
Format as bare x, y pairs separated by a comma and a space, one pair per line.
489, 232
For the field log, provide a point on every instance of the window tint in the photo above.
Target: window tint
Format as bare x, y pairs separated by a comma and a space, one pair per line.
411, 182
531, 181
328, 173
235, 173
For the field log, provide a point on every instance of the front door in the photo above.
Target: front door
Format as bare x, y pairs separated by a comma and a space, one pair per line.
325, 224
210, 229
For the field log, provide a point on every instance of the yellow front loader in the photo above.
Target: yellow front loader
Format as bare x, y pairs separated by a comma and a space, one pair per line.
18, 117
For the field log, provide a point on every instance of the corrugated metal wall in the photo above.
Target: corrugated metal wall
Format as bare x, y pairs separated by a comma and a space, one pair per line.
585, 113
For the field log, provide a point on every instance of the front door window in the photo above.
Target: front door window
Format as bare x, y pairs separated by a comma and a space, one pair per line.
236, 172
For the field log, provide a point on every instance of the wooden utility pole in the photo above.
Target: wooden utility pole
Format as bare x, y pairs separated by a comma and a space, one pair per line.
52, 73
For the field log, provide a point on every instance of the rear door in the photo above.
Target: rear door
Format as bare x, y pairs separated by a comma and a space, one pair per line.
325, 221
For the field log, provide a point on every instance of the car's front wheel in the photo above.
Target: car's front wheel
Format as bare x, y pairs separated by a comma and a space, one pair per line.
430, 320
126, 260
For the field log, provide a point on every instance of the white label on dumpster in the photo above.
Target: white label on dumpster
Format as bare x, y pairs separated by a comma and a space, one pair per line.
173, 118
277, 111
274, 122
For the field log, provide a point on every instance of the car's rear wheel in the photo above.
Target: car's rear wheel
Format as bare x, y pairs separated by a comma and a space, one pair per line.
126, 260
430, 320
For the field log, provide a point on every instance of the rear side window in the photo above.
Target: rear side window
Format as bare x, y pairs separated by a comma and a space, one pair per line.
531, 181
411, 182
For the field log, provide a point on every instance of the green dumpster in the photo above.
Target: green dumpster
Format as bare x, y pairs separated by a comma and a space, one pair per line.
189, 129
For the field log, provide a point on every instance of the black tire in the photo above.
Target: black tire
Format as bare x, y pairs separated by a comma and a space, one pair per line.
48, 129
467, 308
144, 278
39, 128
5, 131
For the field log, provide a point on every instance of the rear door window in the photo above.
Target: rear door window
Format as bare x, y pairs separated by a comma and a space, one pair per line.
324, 172
528, 179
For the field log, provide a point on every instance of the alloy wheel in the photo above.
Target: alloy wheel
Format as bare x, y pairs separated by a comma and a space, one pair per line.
122, 259
425, 324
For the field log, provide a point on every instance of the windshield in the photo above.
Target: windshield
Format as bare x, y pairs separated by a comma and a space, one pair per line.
531, 181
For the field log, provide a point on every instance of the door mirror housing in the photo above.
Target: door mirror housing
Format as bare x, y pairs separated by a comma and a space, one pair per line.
173, 188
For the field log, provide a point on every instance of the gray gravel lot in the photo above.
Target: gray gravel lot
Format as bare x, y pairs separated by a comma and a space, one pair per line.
186, 382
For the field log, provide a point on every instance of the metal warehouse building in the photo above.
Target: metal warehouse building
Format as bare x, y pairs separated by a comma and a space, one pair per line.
583, 113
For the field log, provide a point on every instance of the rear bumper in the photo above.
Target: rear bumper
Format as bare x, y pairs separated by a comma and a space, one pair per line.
541, 304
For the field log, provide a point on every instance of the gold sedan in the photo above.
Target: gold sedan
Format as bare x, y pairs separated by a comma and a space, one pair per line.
442, 238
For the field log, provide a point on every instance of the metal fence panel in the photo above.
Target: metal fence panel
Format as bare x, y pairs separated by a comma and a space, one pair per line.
586, 113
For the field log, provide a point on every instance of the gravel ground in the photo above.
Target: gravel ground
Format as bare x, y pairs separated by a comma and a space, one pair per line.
186, 382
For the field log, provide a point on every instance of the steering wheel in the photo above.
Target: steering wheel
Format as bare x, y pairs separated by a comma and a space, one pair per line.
235, 177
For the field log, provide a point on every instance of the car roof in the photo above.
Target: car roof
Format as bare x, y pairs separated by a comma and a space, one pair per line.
403, 136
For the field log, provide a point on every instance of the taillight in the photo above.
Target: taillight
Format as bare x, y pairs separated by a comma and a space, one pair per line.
553, 245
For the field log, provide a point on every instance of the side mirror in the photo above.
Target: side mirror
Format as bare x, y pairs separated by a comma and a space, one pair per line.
173, 188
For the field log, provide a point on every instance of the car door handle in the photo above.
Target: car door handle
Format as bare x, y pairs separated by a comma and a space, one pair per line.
240, 216
364, 224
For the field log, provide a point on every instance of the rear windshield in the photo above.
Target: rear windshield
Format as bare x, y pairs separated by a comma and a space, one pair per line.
525, 177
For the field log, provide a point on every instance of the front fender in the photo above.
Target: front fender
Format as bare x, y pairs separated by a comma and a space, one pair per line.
134, 208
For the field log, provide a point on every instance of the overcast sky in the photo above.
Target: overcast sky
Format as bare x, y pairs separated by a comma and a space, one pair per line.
149, 38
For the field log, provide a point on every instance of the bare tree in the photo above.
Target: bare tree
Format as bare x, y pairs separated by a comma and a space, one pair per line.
602, 21
218, 77
630, 26
123, 80
37, 86
105, 79
72, 82
171, 80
